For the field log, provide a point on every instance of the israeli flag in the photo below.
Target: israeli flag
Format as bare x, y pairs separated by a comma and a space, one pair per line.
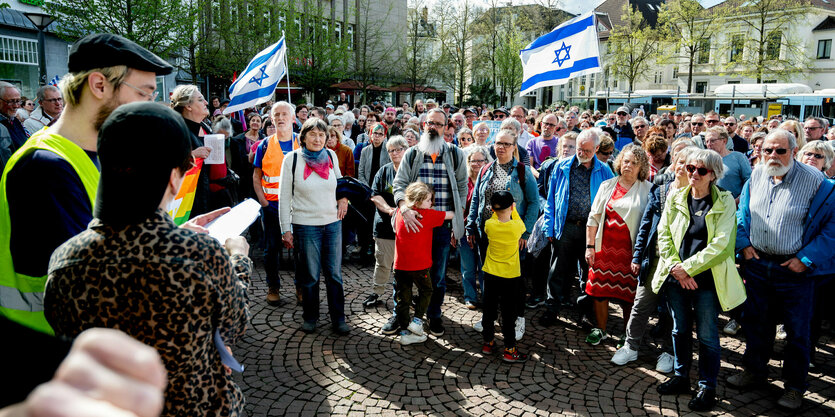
566, 52
257, 82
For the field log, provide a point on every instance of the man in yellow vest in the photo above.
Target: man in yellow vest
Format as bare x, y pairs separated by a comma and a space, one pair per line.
47, 192
267, 170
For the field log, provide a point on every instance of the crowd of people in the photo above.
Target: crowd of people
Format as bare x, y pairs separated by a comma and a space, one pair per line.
681, 215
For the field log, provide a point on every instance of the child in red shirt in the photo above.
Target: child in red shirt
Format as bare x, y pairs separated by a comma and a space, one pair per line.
412, 260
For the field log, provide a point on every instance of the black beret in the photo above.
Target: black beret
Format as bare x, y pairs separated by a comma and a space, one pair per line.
103, 50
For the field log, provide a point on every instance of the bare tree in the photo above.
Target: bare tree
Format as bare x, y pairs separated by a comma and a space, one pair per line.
455, 36
632, 47
374, 49
415, 54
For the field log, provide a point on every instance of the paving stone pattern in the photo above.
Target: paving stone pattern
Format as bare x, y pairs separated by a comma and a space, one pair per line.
367, 373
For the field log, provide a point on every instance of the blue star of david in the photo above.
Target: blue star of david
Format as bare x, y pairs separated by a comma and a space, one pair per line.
257, 79
559, 60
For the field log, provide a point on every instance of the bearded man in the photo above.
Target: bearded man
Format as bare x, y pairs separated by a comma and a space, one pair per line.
785, 236
443, 168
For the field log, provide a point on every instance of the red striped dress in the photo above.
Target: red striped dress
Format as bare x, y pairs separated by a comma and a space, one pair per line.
611, 276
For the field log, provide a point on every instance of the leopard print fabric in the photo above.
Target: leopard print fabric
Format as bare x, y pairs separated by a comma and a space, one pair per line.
169, 288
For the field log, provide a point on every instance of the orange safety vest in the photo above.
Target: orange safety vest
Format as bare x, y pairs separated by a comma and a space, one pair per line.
271, 166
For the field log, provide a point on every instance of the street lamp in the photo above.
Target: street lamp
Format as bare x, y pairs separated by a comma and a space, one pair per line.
41, 21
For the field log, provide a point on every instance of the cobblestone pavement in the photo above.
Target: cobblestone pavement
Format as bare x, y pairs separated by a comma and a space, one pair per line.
367, 373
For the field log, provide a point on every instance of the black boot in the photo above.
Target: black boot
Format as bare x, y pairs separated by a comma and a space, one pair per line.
704, 400
674, 386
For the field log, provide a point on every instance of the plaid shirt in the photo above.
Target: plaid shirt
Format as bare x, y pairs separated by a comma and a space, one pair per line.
435, 176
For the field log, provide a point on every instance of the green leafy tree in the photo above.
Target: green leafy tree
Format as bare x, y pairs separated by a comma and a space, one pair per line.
509, 66
689, 26
482, 92
632, 47
415, 54
775, 50
158, 25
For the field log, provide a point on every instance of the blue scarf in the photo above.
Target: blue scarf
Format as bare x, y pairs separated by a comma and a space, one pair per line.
317, 162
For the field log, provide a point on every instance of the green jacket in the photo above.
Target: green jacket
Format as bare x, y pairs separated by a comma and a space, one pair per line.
718, 256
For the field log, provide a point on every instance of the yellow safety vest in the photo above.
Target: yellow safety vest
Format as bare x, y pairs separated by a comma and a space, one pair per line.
21, 296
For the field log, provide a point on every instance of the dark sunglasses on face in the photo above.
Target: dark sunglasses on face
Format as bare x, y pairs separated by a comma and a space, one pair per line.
701, 170
697, 124
769, 151
621, 114
816, 155
605, 153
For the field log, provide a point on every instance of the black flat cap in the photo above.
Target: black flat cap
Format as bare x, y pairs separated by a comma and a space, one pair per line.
103, 50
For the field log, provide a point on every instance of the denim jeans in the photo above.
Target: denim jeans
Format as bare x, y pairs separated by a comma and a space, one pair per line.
319, 251
440, 253
702, 307
470, 270
272, 245
775, 293
567, 253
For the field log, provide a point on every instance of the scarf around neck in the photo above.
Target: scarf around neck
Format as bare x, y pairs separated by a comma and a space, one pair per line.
318, 162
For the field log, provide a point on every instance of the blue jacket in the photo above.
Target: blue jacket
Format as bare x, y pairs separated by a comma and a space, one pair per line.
527, 200
556, 207
818, 236
644, 250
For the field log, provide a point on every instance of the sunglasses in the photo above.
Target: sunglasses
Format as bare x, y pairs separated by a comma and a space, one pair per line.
816, 155
702, 170
697, 124
621, 114
605, 153
769, 151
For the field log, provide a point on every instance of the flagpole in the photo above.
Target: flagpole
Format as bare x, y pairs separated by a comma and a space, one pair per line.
287, 67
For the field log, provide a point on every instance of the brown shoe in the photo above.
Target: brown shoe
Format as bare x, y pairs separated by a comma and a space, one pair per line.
299, 295
273, 298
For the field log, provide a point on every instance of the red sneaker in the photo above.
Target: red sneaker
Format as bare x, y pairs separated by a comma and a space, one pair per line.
487, 349
513, 355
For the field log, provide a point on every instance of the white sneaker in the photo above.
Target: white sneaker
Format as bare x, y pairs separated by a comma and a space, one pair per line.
478, 326
408, 338
520, 328
624, 355
781, 332
665, 363
416, 327
732, 328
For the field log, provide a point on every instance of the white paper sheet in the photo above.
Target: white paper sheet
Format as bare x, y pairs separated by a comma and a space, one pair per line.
215, 142
235, 222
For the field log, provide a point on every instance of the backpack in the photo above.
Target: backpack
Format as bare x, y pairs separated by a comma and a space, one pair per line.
451, 148
293, 170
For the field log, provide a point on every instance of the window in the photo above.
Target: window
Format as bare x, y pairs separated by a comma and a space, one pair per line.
337, 30
215, 18
675, 72
769, 81
704, 51
733, 82
282, 21
351, 37
701, 87
824, 48
18, 50
737, 46
772, 47
659, 77
591, 81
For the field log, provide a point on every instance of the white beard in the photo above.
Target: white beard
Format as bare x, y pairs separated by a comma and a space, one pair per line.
776, 168
583, 160
429, 144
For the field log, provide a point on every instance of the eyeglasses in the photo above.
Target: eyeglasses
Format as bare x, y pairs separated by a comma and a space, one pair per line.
585, 151
816, 155
546, 124
769, 151
143, 93
13, 102
621, 113
499, 116
503, 144
396, 150
710, 122
53, 100
435, 124
465, 139
478, 161
811, 127
697, 124
611, 119
377, 134
639, 126
701, 170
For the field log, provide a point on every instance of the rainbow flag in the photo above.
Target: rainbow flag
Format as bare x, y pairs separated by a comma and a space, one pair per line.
180, 207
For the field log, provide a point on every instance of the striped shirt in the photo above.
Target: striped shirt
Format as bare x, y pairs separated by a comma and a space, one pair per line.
434, 174
778, 211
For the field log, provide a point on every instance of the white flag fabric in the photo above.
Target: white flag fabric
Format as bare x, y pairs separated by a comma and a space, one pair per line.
257, 82
568, 51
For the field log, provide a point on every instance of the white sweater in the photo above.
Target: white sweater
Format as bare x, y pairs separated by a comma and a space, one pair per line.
313, 203
630, 208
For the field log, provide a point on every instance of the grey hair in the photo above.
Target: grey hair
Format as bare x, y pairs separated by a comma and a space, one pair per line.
466, 130
348, 119
757, 136
506, 132
511, 123
282, 103
437, 110
333, 117
5, 86
593, 133
412, 131
223, 124
41, 93
472, 149
719, 130
711, 160
821, 121
819, 146
783, 133
639, 119
685, 152
397, 141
